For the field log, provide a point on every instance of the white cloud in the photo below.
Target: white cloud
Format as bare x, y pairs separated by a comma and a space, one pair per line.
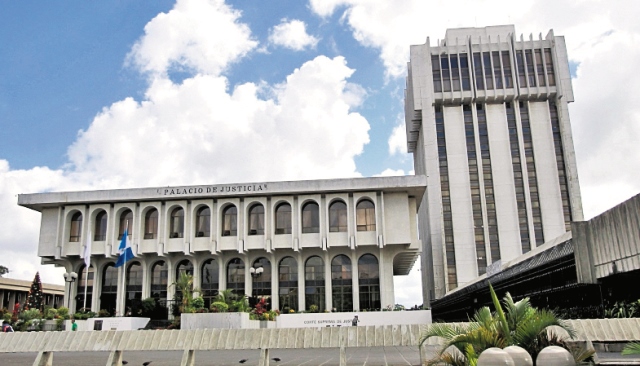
200, 130
392, 173
292, 34
196, 35
605, 124
398, 140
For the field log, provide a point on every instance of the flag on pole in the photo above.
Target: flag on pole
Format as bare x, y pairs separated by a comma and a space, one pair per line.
86, 253
126, 253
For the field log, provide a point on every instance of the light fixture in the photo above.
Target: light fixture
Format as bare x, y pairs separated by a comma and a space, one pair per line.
70, 278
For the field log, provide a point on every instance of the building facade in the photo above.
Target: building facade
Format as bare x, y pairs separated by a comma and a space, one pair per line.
14, 292
487, 122
335, 244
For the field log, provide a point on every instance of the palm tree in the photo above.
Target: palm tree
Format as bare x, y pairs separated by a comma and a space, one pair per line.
518, 323
184, 285
632, 348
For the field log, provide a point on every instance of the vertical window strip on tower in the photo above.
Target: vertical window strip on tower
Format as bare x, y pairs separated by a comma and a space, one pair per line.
492, 70
474, 182
485, 154
531, 173
531, 66
452, 277
562, 172
518, 177
450, 73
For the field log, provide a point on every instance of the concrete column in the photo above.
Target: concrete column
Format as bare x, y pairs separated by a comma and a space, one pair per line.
328, 293
264, 357
188, 358
222, 273
146, 278
97, 286
171, 278
301, 299
275, 285
355, 284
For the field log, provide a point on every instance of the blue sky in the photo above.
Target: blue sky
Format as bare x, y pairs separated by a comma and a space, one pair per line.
115, 94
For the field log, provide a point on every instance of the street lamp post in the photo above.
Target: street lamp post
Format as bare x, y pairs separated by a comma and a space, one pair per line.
70, 278
255, 274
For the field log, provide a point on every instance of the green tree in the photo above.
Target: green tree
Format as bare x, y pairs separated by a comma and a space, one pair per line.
184, 285
517, 323
36, 297
3, 270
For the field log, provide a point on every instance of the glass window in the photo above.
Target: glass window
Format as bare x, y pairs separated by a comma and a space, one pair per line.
109, 290
230, 221
210, 281
310, 218
314, 283
288, 284
176, 226
133, 300
203, 222
126, 223
256, 220
151, 224
369, 282
338, 217
283, 218
100, 228
235, 276
261, 278
84, 279
365, 216
76, 227
341, 285
159, 281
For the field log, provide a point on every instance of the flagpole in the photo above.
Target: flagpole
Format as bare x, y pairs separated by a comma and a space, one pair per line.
124, 271
86, 284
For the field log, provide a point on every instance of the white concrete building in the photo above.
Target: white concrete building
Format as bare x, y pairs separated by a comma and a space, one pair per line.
330, 243
488, 124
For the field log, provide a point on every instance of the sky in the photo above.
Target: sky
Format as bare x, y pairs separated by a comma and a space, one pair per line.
121, 94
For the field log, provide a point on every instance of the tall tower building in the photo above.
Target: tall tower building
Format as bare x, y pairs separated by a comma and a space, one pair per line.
488, 124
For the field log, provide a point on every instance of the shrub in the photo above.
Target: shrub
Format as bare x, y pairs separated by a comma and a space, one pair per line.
51, 313
148, 305
103, 313
313, 308
63, 312
219, 307
198, 303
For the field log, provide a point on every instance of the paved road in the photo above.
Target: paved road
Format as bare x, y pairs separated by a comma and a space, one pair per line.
373, 356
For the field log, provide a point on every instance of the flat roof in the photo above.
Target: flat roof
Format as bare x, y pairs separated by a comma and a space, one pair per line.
415, 185
24, 285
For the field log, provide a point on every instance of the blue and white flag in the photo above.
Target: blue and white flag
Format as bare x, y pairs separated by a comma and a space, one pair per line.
126, 253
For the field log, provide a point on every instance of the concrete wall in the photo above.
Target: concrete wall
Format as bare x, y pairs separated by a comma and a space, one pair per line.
608, 243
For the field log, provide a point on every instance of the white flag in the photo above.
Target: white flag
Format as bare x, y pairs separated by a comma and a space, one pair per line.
86, 254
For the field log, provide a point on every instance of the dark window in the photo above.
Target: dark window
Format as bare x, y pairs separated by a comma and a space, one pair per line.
151, 224
176, 226
338, 217
100, 229
341, 285
84, 279
365, 216
283, 219
133, 300
159, 281
314, 293
109, 290
235, 276
203, 222
310, 218
369, 282
126, 223
256, 220
260, 273
210, 281
75, 229
288, 284
230, 221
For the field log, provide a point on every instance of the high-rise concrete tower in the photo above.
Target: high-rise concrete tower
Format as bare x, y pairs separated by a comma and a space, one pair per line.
488, 124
